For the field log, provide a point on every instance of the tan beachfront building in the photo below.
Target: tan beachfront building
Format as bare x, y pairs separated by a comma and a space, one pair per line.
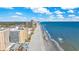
23, 36
18, 36
4, 39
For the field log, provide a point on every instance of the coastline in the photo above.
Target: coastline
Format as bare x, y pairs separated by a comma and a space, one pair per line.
42, 41
57, 44
47, 36
36, 43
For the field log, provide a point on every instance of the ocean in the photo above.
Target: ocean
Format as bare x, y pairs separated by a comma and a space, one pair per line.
65, 33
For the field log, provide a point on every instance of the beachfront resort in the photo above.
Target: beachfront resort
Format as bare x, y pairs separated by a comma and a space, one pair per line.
15, 36
39, 29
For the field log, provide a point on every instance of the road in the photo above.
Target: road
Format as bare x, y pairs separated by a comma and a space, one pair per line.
36, 43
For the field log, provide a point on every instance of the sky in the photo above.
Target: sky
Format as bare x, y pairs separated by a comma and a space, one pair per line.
39, 13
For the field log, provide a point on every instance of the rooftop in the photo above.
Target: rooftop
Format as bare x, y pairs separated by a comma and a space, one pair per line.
2, 29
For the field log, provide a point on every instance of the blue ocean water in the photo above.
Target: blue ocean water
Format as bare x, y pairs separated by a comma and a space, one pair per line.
65, 33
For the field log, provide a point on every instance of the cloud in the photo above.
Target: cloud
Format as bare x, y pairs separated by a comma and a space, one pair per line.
53, 18
70, 11
41, 10
60, 16
58, 12
72, 18
77, 17
43, 19
72, 15
14, 18
17, 18
18, 13
8, 7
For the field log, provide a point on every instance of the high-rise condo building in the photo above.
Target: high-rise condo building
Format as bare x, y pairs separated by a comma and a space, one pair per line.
18, 36
4, 39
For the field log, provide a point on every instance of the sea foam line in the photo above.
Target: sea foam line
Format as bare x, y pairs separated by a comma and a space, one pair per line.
49, 36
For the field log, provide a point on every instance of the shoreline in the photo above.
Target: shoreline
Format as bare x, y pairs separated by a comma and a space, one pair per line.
47, 35
57, 44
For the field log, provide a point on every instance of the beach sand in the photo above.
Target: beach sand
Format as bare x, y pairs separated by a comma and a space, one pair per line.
38, 43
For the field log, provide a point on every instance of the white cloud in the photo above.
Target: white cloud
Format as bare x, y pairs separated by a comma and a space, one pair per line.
14, 18
72, 18
60, 16
71, 11
8, 7
18, 18
41, 10
51, 16
44, 19
72, 15
18, 13
58, 12
77, 17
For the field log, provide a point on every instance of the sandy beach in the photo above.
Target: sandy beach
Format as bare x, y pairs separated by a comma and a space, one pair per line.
39, 43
